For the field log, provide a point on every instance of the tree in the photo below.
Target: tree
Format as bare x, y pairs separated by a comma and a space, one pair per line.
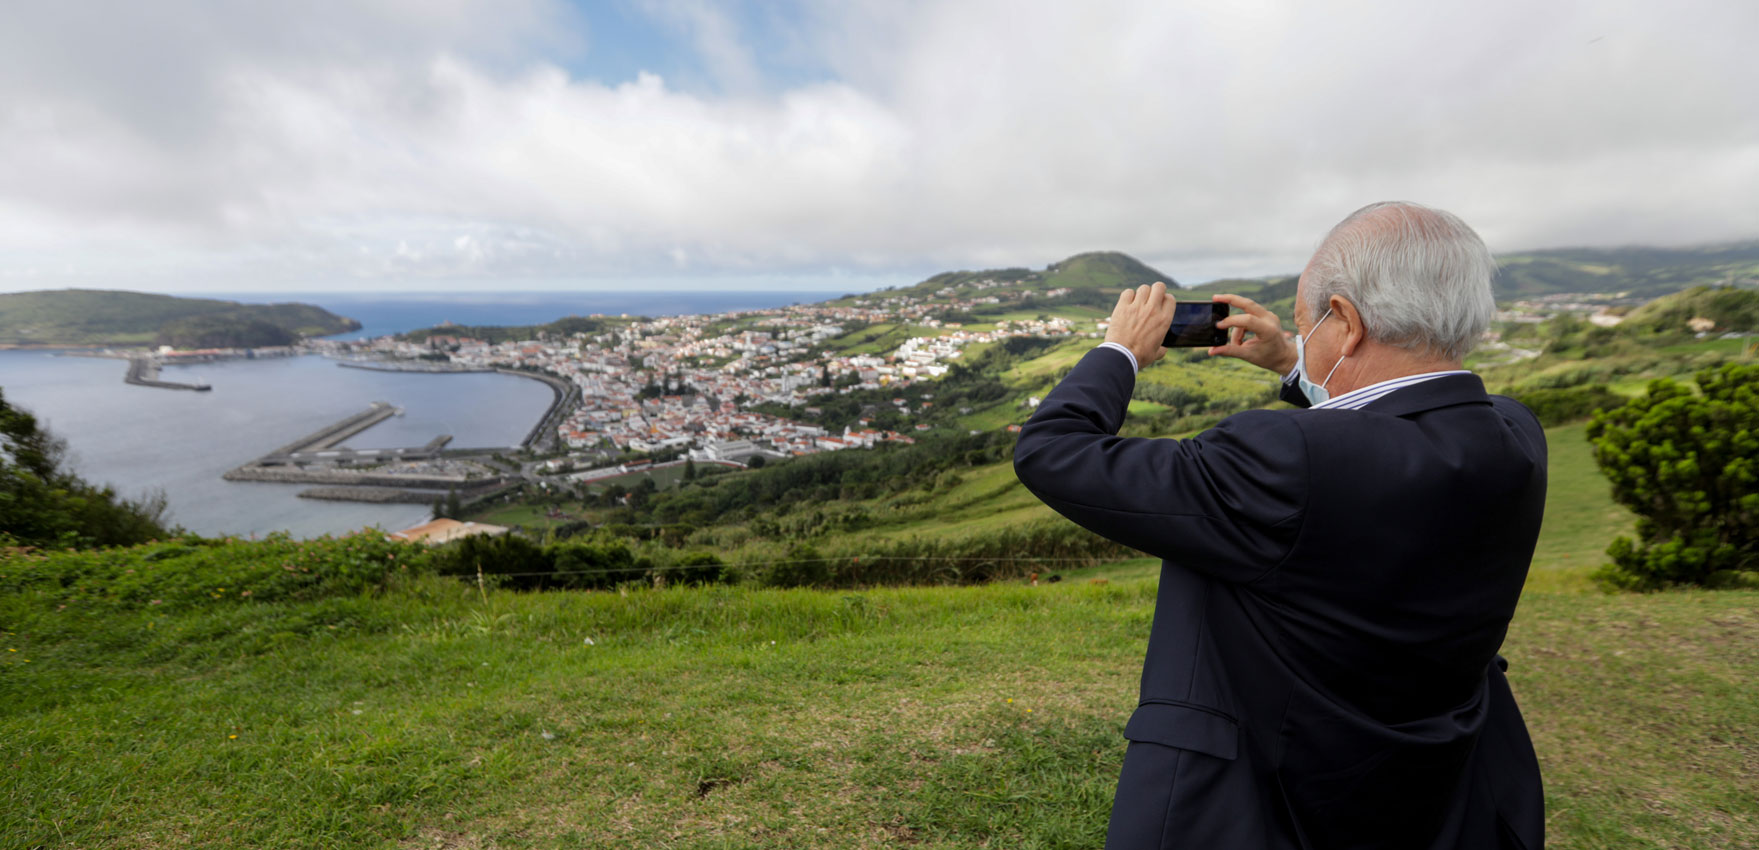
453, 507
689, 469
1688, 465
42, 504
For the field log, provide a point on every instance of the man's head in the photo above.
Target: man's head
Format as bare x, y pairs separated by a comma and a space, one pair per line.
1402, 276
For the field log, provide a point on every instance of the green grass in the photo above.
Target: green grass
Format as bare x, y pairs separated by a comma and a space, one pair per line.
424, 715
1580, 516
528, 516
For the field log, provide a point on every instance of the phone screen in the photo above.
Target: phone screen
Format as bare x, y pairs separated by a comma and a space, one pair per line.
1194, 325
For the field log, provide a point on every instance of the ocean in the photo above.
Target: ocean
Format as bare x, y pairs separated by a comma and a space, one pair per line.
381, 313
141, 439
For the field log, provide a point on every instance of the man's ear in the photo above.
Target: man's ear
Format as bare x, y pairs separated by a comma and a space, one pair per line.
1354, 331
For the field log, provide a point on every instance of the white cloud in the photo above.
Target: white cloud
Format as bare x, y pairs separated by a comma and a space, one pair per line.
184, 144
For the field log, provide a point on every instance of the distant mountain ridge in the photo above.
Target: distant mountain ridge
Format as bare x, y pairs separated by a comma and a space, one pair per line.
1648, 272
1637, 270
114, 317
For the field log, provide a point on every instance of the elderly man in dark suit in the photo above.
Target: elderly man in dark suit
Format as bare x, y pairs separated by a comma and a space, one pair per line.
1338, 577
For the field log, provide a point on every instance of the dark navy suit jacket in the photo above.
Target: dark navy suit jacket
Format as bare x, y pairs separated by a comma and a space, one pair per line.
1322, 671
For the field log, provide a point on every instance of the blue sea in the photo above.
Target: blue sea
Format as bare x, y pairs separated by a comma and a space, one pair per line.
381, 314
142, 439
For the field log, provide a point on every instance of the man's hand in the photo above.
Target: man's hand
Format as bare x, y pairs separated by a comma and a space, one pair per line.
1140, 322
1267, 347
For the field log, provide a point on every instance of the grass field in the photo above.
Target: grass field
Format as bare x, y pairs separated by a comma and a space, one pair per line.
988, 716
433, 715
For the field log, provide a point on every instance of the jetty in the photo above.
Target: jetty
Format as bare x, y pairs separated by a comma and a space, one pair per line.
144, 372
542, 436
414, 474
314, 458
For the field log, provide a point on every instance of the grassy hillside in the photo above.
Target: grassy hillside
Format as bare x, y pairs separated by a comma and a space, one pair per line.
1105, 271
101, 317
348, 702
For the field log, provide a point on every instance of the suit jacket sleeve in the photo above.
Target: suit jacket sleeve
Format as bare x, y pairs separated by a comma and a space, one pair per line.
1292, 394
1227, 502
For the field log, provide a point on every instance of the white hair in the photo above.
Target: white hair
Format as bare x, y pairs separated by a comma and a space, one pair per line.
1420, 277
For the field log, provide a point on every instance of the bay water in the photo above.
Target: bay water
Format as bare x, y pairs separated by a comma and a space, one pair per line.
144, 439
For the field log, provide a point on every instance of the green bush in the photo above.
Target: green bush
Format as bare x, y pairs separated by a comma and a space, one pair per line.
515, 560
1688, 465
698, 568
803, 566
594, 562
1563, 405
187, 572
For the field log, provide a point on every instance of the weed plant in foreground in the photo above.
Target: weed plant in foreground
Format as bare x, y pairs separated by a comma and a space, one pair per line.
378, 707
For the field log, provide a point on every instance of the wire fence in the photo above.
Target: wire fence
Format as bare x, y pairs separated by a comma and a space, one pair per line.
745, 564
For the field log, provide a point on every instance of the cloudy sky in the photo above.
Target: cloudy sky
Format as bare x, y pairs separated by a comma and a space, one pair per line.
419, 145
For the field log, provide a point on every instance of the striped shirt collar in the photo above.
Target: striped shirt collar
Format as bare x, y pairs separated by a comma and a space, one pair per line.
1359, 398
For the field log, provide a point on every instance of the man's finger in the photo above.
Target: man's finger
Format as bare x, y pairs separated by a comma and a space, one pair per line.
1244, 303
1126, 297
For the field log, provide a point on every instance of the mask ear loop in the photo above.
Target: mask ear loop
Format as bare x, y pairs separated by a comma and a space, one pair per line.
1334, 366
1334, 371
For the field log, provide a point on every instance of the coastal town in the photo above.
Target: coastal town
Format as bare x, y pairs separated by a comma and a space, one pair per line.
687, 386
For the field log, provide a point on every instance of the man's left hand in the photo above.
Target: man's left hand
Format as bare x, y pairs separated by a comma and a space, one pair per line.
1140, 321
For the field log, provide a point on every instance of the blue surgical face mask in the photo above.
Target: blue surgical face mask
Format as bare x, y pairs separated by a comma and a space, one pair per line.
1315, 393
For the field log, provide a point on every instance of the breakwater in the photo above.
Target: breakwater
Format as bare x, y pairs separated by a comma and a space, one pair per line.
374, 495
347, 477
389, 495
542, 436
144, 372
407, 475
330, 435
419, 367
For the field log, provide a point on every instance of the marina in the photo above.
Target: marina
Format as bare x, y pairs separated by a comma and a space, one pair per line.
367, 475
142, 441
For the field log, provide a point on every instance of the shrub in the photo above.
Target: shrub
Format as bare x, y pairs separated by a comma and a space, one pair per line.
698, 568
803, 566
1562, 405
1688, 465
518, 562
186, 572
595, 562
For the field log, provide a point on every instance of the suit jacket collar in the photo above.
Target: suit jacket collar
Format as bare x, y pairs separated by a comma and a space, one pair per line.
1445, 391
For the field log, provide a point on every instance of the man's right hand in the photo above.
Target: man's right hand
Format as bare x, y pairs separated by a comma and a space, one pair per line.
1267, 347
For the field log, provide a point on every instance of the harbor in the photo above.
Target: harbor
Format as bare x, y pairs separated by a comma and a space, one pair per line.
318, 458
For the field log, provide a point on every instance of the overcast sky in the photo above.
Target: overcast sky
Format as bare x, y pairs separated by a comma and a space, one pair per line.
417, 145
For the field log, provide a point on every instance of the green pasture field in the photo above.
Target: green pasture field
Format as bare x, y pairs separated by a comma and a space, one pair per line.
529, 516
427, 713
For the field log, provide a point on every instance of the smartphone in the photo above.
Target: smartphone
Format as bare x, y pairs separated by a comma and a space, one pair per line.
1194, 325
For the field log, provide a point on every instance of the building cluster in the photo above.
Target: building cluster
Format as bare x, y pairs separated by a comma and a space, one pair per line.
1597, 307
690, 383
